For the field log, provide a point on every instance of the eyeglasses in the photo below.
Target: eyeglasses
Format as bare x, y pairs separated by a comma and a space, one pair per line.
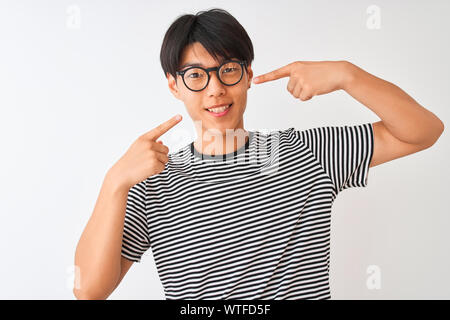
229, 73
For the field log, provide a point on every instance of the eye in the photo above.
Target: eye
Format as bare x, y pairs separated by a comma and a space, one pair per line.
228, 70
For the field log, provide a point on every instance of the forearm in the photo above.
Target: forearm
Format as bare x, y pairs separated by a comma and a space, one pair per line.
405, 119
98, 252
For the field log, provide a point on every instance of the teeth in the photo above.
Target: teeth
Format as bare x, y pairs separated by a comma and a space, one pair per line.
219, 110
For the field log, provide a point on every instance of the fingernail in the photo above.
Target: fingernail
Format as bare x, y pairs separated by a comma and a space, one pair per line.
178, 117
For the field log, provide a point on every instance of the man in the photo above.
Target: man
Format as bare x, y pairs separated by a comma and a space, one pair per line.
242, 214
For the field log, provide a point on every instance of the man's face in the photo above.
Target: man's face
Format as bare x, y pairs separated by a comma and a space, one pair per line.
215, 93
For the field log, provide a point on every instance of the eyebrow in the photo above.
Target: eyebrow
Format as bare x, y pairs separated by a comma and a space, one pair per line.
191, 64
196, 64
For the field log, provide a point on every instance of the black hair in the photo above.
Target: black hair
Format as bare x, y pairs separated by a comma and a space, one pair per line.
216, 29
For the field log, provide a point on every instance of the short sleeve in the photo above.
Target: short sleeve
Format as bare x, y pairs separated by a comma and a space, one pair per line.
344, 152
135, 240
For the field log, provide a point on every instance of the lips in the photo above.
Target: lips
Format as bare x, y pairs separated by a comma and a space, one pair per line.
221, 111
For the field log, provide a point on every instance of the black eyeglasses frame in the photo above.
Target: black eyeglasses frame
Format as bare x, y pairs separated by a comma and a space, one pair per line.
243, 67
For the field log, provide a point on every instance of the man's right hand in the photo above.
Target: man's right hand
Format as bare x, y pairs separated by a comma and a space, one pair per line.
146, 157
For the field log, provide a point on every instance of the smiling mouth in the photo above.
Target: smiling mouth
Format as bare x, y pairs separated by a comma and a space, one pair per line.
219, 109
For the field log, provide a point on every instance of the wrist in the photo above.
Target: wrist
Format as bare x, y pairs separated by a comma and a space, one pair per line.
115, 179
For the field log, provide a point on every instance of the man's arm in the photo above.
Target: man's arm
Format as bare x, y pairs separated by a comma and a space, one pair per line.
387, 147
98, 253
405, 127
125, 265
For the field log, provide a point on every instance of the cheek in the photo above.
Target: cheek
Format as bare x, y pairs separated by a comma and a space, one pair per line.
193, 106
240, 97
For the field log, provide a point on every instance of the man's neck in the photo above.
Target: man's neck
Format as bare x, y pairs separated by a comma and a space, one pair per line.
221, 144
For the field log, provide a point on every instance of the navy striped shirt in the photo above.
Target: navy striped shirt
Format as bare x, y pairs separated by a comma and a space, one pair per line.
253, 224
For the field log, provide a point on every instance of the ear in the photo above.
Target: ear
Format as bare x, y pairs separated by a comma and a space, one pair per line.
173, 86
249, 75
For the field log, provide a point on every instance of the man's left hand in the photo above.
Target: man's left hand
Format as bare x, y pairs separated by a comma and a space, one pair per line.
310, 78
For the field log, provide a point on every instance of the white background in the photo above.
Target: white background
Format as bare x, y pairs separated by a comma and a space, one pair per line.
77, 88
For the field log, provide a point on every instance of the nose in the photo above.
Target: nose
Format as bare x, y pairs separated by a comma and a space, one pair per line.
215, 87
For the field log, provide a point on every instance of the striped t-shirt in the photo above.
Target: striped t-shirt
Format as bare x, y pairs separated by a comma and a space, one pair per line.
252, 224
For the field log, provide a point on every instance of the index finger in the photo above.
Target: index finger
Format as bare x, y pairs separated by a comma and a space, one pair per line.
163, 128
274, 75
